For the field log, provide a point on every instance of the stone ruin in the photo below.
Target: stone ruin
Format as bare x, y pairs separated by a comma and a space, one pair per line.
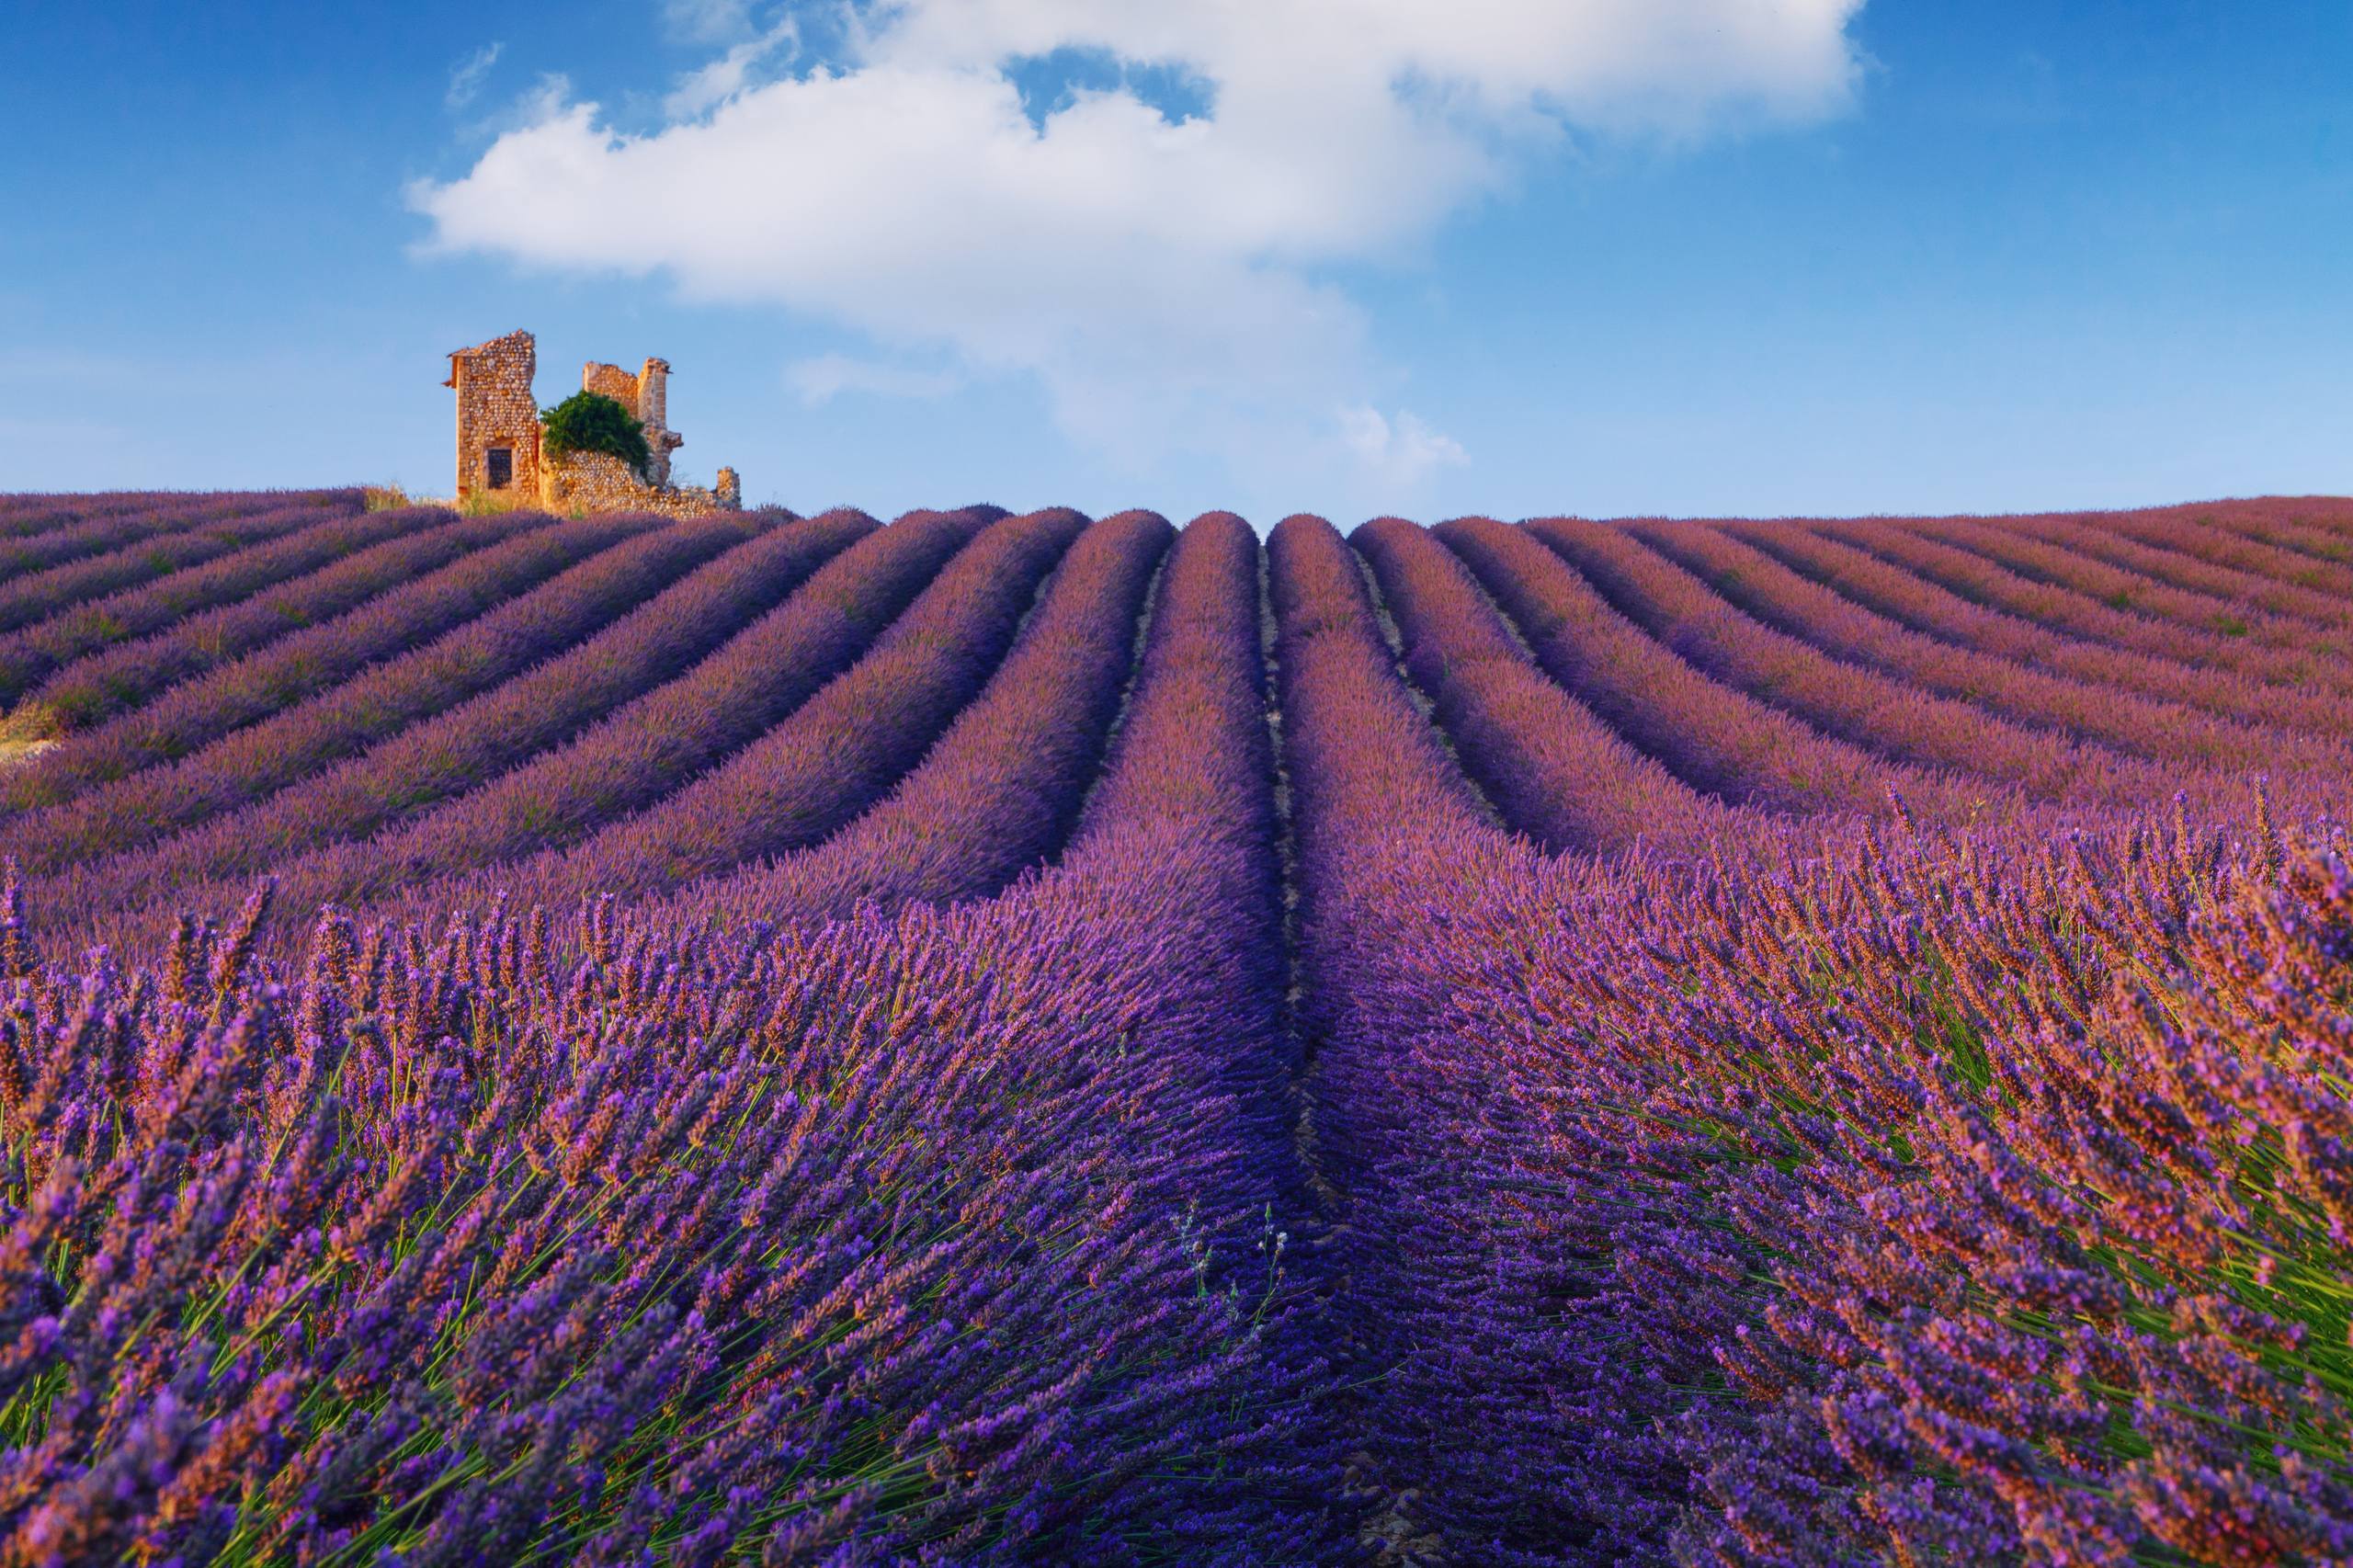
498, 440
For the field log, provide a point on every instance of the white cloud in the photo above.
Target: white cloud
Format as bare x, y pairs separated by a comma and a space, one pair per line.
718, 80
466, 75
820, 380
1159, 276
708, 21
1401, 452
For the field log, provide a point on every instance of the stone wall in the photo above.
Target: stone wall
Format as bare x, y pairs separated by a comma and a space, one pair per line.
647, 396
495, 409
599, 482
612, 381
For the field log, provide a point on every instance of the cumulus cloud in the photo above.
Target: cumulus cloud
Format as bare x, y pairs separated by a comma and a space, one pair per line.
1163, 269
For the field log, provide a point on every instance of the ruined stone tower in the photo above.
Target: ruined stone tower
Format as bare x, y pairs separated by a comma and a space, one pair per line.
498, 420
498, 438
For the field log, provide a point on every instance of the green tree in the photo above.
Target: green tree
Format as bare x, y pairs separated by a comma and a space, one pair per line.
591, 422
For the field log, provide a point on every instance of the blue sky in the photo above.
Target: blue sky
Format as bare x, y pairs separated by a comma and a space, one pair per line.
1796, 256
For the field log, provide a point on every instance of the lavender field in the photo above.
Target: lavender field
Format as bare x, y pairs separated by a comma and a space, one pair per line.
1003, 1038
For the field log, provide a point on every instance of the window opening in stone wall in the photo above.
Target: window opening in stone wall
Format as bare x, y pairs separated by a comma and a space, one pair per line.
502, 467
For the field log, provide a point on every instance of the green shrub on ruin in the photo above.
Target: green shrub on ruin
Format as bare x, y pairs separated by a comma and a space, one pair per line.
591, 422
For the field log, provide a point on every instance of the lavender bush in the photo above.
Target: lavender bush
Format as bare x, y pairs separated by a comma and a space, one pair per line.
645, 750
39, 531
146, 554
2312, 529
813, 773
28, 654
2177, 551
1982, 624
2129, 722
1718, 739
267, 755
99, 683
2070, 561
1856, 704
1554, 768
2285, 552
2026, 590
190, 715
1000, 788
452, 751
